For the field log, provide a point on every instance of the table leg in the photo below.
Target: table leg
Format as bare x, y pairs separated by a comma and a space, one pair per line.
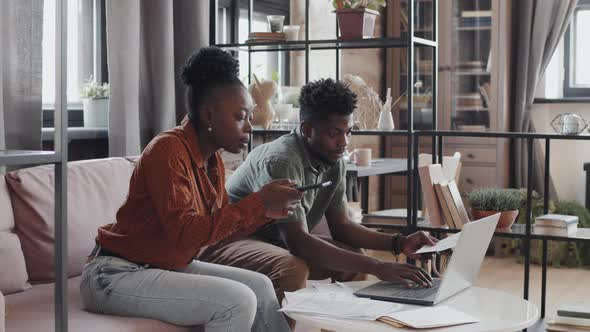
544, 279
365, 194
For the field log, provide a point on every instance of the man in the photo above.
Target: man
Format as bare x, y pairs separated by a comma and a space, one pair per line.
285, 250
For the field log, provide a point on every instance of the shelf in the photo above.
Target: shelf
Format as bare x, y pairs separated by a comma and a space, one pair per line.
516, 231
472, 73
27, 157
298, 45
328, 44
471, 108
481, 28
77, 133
354, 132
449, 133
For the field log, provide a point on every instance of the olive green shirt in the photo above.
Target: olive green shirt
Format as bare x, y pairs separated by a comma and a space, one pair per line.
289, 157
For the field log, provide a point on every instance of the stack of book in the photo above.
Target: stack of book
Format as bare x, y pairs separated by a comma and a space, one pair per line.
556, 224
442, 198
469, 100
265, 37
472, 66
570, 318
476, 18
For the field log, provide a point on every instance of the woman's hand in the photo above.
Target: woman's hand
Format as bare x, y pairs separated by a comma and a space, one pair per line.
280, 198
405, 274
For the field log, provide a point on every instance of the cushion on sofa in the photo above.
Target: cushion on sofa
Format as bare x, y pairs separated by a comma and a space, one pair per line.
13, 272
96, 189
33, 311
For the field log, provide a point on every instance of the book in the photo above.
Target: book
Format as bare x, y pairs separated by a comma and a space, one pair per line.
556, 220
566, 328
476, 13
267, 35
555, 231
484, 90
446, 211
452, 185
566, 310
428, 317
451, 204
429, 175
583, 322
478, 128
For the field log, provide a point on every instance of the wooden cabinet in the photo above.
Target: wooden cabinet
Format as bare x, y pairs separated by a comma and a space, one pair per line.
473, 91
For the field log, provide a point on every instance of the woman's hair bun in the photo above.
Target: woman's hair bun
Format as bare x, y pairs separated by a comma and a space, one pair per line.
210, 65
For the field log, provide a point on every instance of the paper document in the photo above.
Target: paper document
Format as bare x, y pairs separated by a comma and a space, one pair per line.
334, 289
337, 306
429, 317
442, 245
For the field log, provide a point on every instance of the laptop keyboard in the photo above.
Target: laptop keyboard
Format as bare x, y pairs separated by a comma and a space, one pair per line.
417, 291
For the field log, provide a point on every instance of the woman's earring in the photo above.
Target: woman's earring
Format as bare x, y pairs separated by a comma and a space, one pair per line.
210, 128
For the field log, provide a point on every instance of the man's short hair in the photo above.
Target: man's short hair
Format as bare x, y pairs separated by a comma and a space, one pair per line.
323, 97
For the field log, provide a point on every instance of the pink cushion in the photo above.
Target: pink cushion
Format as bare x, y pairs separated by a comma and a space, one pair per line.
96, 189
13, 272
33, 311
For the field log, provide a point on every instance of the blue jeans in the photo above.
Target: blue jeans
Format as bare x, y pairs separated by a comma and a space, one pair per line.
221, 298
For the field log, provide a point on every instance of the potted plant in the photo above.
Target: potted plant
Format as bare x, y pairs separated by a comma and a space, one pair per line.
356, 18
488, 201
95, 100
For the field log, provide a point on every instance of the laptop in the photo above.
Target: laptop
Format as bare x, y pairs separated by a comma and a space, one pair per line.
460, 274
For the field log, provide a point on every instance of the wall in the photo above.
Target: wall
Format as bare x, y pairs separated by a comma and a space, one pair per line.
567, 157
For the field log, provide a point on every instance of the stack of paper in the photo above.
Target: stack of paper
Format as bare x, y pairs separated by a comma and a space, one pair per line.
337, 306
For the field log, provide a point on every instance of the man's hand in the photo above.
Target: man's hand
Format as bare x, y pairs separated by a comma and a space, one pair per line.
280, 198
402, 273
411, 243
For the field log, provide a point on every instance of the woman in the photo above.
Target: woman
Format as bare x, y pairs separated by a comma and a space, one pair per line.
143, 265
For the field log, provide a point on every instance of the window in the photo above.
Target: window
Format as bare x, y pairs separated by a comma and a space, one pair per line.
85, 54
577, 52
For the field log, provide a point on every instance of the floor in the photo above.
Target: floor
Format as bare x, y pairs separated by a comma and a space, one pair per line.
571, 286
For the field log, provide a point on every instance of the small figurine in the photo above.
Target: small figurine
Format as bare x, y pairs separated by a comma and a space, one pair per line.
262, 92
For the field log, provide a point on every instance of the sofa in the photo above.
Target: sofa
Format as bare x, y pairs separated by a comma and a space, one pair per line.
96, 189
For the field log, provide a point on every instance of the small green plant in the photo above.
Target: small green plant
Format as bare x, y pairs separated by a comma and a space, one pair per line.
94, 90
350, 4
494, 199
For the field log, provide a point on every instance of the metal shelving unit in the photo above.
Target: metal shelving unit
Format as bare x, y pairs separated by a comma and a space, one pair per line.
58, 157
410, 41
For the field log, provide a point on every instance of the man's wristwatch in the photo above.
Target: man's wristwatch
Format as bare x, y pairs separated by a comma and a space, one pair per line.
396, 244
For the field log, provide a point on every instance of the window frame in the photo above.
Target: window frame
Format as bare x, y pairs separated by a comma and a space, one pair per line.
570, 90
99, 68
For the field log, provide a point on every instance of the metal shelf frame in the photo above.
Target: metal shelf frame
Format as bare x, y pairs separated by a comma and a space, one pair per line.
58, 157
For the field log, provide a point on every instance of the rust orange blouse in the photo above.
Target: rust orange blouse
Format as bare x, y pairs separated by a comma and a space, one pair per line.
174, 208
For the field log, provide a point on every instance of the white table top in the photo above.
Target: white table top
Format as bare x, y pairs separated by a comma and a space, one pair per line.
498, 311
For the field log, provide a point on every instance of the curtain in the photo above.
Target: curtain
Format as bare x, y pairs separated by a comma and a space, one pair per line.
540, 26
147, 42
21, 33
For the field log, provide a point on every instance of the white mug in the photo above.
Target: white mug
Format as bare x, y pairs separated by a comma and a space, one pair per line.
362, 157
